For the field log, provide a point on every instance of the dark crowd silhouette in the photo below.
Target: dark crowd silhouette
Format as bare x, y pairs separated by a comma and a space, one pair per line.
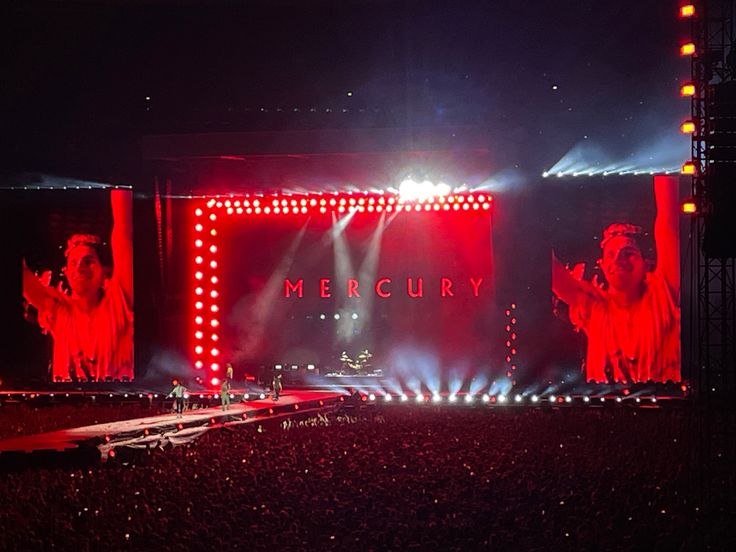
382, 478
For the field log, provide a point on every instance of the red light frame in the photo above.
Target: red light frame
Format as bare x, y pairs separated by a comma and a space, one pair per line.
205, 275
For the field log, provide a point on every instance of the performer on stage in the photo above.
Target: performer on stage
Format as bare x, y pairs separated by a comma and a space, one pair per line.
229, 371
632, 323
225, 394
277, 386
96, 319
178, 393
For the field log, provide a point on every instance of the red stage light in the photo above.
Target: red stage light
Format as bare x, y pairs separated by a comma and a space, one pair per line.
214, 352
213, 232
198, 320
213, 249
198, 275
213, 264
689, 207
277, 210
687, 89
198, 243
219, 204
456, 207
687, 49
687, 10
214, 367
471, 198
304, 210
237, 203
199, 349
476, 206
214, 323
258, 210
230, 210
248, 211
466, 207
198, 260
313, 202
198, 364
112, 453
486, 206
199, 291
688, 168
214, 308
322, 210
214, 337
198, 334
198, 212
213, 294
198, 227
213, 216
213, 279
266, 210
239, 210
210, 203
293, 202
198, 305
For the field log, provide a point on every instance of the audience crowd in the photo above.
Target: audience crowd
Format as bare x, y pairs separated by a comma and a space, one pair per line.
379, 478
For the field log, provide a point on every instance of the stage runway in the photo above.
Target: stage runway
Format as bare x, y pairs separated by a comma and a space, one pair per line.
168, 428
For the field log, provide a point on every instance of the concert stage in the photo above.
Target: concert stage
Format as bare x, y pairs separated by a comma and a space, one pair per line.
168, 429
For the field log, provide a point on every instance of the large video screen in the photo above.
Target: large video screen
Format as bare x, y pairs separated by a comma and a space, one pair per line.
409, 291
76, 292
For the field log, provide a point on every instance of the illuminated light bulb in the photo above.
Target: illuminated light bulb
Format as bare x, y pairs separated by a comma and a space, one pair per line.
687, 49
687, 90
687, 127
198, 212
689, 207
687, 10
198, 275
688, 168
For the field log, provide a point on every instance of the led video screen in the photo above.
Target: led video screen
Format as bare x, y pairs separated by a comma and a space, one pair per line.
395, 290
77, 284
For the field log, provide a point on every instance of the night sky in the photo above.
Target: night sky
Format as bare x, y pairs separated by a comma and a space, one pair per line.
85, 79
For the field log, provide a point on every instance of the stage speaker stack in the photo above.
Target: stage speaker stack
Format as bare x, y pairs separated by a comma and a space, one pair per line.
719, 239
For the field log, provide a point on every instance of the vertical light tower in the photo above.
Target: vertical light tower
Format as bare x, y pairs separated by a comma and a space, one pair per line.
713, 299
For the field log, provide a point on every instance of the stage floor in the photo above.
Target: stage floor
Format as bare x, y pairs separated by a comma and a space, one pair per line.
168, 428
